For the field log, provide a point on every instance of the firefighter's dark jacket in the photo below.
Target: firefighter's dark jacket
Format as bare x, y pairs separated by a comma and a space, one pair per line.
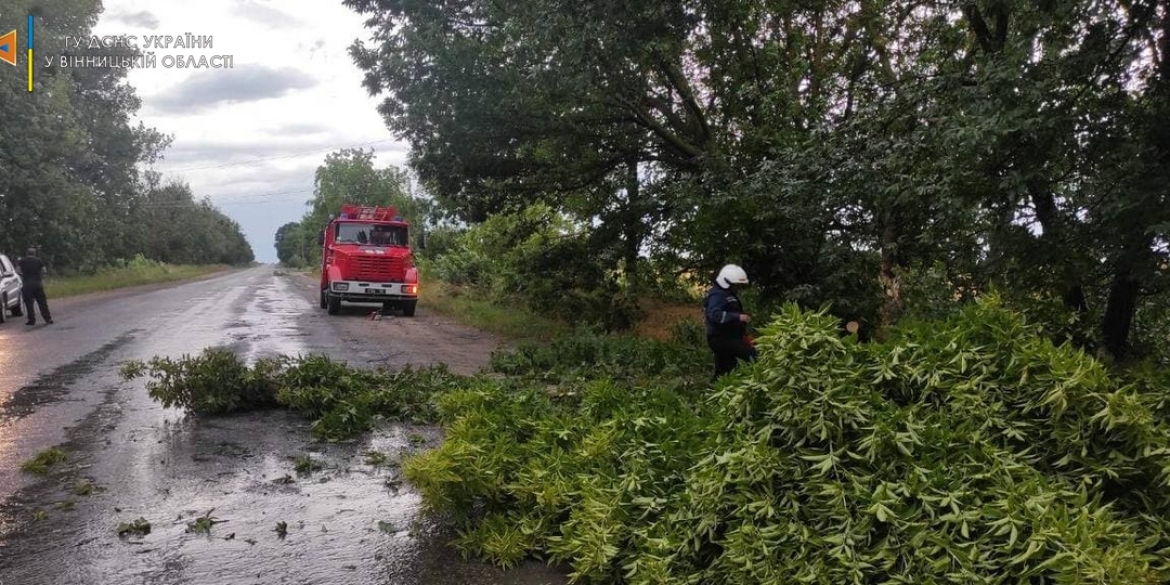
723, 309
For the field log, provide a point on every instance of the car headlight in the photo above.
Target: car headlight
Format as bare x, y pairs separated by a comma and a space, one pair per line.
341, 286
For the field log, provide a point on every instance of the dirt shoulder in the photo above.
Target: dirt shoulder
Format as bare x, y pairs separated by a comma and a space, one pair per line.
427, 338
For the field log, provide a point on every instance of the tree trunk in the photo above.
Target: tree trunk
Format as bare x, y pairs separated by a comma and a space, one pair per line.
1118, 320
893, 306
1123, 296
1054, 238
634, 226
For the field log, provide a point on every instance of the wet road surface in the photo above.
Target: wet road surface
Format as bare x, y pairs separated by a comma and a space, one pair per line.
348, 521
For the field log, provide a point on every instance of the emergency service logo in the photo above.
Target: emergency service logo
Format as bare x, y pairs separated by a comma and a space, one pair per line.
138, 59
8, 48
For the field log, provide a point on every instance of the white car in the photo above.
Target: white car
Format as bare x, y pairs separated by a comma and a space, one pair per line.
10, 287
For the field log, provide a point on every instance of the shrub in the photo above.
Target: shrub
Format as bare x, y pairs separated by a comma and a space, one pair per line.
541, 257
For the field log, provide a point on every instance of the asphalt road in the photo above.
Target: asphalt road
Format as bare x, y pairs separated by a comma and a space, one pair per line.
350, 522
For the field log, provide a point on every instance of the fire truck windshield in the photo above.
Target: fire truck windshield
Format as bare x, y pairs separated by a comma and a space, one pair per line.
371, 234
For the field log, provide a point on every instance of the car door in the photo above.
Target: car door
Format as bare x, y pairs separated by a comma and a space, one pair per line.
9, 281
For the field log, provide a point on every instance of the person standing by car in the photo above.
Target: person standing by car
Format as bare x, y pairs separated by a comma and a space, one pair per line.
11, 299
726, 321
31, 270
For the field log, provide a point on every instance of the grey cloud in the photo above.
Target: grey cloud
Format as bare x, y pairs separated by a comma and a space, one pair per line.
206, 89
266, 15
192, 154
296, 129
288, 187
316, 48
258, 196
144, 19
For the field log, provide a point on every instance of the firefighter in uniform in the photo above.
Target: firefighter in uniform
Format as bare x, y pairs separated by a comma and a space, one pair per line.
726, 321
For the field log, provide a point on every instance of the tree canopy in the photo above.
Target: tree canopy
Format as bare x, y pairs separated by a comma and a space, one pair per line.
830, 147
348, 175
71, 163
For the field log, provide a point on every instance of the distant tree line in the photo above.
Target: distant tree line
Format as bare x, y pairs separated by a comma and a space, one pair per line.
348, 176
840, 151
70, 176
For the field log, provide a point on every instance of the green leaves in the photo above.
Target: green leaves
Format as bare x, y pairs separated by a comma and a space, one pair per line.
343, 401
940, 455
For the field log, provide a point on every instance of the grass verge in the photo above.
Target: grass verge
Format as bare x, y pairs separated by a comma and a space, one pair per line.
516, 322
135, 274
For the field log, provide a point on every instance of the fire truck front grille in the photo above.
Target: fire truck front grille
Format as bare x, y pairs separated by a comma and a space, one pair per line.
378, 268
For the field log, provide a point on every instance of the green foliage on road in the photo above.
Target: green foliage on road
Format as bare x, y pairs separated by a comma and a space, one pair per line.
203, 524
345, 401
137, 527
214, 382
122, 274
42, 462
342, 401
962, 449
968, 450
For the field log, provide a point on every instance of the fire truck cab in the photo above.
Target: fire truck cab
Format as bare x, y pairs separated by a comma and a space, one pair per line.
366, 258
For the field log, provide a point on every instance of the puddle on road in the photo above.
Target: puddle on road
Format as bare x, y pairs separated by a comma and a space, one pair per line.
53, 386
349, 522
270, 324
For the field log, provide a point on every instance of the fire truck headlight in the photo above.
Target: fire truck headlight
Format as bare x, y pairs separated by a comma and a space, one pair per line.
341, 286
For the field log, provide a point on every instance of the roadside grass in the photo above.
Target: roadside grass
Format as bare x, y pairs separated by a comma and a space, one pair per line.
313, 272
133, 274
516, 322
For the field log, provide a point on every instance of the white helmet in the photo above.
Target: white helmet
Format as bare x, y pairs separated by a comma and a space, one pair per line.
731, 274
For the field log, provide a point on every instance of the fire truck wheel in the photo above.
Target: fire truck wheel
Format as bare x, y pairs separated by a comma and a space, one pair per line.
324, 300
334, 304
408, 308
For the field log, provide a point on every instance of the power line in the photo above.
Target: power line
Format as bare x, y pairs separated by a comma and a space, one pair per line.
263, 195
284, 156
255, 198
196, 202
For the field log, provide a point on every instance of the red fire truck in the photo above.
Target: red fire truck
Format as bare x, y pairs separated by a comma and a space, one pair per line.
366, 258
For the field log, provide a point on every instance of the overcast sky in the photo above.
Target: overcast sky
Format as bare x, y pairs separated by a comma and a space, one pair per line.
293, 95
